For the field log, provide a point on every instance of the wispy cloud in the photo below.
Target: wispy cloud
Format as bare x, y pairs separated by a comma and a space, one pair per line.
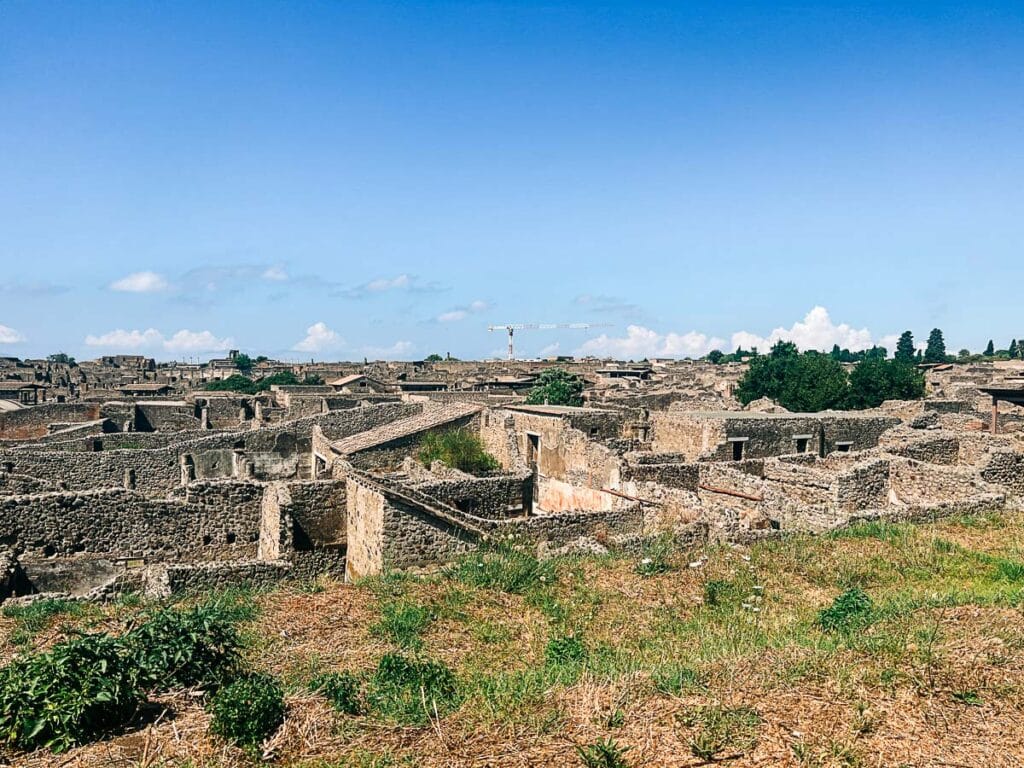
608, 305
33, 288
152, 339
403, 282
397, 351
456, 314
141, 282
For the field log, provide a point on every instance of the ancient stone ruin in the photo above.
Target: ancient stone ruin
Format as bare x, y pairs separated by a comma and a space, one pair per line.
139, 481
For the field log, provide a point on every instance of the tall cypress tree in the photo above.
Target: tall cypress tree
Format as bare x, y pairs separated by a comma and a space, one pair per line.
935, 352
1014, 349
990, 350
905, 348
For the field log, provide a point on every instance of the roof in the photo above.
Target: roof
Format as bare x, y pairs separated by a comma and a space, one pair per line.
431, 417
559, 410
13, 384
759, 415
10, 405
347, 380
144, 387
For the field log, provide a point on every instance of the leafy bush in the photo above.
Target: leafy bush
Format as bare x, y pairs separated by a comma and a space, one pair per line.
565, 651
603, 754
719, 728
76, 692
341, 689
720, 592
403, 622
185, 648
851, 610
248, 710
503, 568
410, 690
240, 383
556, 386
459, 449
675, 679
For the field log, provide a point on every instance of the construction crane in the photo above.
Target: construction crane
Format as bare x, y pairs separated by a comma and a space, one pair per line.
511, 329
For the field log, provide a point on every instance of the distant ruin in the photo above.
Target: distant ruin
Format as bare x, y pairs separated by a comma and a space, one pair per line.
123, 475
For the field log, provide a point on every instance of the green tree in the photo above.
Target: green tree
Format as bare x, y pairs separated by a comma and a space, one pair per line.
935, 352
1014, 350
715, 356
800, 382
874, 381
905, 348
61, 358
243, 362
434, 358
990, 350
556, 386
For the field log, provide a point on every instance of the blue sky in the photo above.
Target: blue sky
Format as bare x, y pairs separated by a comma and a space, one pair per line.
340, 180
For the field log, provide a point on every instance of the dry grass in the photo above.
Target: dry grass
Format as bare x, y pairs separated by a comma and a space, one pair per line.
935, 679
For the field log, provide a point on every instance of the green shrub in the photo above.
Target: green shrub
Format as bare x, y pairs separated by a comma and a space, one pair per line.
459, 449
603, 754
341, 689
675, 678
504, 568
247, 711
718, 729
74, 693
35, 616
851, 610
410, 690
185, 648
721, 592
403, 623
565, 652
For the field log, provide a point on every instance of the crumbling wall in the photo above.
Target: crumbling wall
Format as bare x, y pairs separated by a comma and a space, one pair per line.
33, 422
493, 498
1005, 469
154, 472
164, 417
214, 521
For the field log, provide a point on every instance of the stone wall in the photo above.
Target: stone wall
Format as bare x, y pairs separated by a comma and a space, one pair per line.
1005, 469
213, 521
155, 472
492, 498
29, 423
165, 417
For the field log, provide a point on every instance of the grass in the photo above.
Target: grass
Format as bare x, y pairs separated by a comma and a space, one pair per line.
839, 646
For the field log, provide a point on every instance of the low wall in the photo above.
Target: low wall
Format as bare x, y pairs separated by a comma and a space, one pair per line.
213, 521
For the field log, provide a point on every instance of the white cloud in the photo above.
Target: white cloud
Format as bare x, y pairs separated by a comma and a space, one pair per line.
276, 274
10, 336
640, 342
398, 350
550, 350
816, 331
461, 313
141, 282
384, 284
181, 341
196, 341
122, 339
318, 338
